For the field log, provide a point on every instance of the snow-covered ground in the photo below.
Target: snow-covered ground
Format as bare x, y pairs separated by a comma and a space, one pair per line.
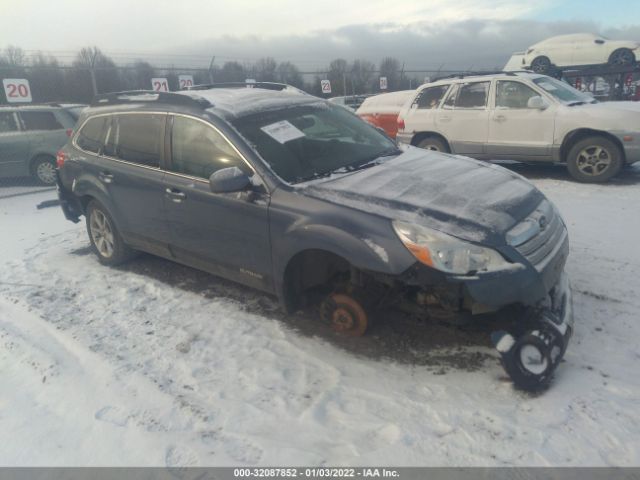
157, 364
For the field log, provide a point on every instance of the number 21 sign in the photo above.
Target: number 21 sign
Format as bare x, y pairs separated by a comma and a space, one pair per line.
17, 90
160, 84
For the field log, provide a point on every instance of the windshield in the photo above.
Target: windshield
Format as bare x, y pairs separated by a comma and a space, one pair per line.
563, 92
306, 142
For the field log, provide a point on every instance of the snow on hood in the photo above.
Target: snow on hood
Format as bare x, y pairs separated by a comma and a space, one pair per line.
617, 106
465, 198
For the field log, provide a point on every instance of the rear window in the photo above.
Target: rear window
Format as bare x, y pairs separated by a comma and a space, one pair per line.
136, 138
7, 122
40, 121
430, 97
468, 95
90, 137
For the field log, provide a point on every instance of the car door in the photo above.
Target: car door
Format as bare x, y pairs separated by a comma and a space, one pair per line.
421, 115
464, 117
129, 169
14, 146
224, 233
590, 51
515, 130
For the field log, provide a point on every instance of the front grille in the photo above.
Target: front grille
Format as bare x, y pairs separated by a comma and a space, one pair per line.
538, 235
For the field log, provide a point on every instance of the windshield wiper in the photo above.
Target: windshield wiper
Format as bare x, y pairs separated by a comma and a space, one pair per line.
375, 160
580, 102
370, 162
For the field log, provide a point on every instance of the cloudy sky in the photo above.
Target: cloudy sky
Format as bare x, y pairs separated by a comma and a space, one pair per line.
422, 33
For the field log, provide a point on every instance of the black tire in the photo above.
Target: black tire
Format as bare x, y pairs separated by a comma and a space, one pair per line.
533, 358
622, 57
541, 65
101, 236
434, 144
43, 170
594, 159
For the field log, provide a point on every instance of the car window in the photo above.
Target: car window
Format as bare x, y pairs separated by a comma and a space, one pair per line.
511, 94
136, 138
7, 122
40, 121
473, 95
199, 150
430, 97
91, 136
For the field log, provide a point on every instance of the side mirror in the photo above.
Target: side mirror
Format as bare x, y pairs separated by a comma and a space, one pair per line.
227, 180
537, 103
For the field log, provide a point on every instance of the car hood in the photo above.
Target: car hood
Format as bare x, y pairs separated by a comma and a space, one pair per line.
468, 199
601, 107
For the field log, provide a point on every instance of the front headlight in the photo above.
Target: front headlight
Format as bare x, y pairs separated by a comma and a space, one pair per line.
446, 253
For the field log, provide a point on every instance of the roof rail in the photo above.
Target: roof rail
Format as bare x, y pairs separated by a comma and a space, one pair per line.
142, 96
477, 74
265, 85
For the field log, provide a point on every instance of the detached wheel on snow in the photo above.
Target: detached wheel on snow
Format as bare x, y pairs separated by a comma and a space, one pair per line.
531, 359
346, 313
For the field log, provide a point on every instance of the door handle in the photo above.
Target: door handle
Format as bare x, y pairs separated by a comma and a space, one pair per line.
445, 118
175, 195
106, 177
499, 118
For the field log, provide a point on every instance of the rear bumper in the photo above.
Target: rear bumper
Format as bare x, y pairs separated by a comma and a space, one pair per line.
71, 207
404, 138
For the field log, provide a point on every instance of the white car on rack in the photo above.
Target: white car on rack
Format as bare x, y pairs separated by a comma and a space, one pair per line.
526, 117
577, 50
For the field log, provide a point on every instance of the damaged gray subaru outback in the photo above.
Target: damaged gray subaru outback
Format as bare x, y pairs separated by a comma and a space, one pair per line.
289, 194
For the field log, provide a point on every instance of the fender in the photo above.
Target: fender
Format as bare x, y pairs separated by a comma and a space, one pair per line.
87, 185
373, 252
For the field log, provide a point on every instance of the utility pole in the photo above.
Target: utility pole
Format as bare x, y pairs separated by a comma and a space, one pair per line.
344, 84
211, 69
93, 56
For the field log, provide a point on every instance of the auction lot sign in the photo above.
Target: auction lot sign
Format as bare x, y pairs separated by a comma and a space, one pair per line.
160, 84
17, 90
185, 81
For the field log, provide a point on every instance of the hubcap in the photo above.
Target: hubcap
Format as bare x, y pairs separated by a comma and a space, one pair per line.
533, 360
593, 161
46, 172
101, 233
432, 147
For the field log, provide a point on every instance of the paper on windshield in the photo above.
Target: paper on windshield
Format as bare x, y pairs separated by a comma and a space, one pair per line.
549, 87
282, 132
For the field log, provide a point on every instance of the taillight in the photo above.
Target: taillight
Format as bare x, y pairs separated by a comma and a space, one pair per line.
60, 158
400, 122
69, 132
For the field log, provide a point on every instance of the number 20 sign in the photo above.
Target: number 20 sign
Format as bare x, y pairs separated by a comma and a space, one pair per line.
160, 84
17, 90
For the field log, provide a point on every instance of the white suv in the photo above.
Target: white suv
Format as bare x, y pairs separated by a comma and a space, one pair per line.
526, 117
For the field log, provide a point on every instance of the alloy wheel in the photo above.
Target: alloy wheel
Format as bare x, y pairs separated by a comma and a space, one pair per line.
101, 233
593, 160
46, 172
